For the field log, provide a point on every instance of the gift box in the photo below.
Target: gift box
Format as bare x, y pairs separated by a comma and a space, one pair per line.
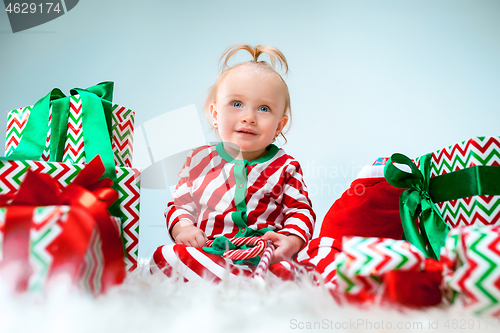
50, 227
480, 209
12, 173
121, 125
387, 270
364, 260
371, 269
58, 131
471, 259
454, 186
76, 236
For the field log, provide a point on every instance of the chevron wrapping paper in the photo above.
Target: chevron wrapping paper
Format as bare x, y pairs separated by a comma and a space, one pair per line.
363, 261
48, 223
123, 135
479, 209
16, 122
46, 151
73, 150
12, 174
122, 128
92, 266
472, 261
128, 197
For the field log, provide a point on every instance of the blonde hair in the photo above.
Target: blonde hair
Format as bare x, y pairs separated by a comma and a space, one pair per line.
274, 54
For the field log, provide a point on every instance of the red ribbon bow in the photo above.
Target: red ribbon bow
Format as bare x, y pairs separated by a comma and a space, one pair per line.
89, 199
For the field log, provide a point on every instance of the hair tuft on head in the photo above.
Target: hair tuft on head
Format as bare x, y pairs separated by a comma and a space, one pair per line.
255, 51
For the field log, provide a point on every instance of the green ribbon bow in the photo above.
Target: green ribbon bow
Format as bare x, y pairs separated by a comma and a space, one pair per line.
221, 244
416, 202
423, 192
97, 126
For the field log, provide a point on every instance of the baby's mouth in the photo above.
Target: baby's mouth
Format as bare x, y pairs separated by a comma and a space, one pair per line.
246, 131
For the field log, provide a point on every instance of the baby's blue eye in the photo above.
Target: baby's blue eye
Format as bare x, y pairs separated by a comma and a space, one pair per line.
237, 104
264, 109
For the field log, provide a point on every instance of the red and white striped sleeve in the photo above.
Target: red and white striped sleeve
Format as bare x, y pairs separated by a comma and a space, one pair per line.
182, 205
299, 217
320, 255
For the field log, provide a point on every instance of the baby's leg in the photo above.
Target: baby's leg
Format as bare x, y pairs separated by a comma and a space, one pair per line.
194, 264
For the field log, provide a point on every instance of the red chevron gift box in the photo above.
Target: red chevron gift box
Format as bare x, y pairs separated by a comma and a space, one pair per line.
47, 230
74, 111
454, 186
53, 138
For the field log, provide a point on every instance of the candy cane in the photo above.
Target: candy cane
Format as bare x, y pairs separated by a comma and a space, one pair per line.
261, 248
263, 266
257, 242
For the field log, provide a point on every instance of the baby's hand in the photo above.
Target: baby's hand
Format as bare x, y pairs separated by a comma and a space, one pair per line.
188, 234
286, 245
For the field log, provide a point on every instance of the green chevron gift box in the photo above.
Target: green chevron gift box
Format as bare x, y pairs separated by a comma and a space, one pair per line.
364, 261
471, 258
60, 133
455, 186
120, 125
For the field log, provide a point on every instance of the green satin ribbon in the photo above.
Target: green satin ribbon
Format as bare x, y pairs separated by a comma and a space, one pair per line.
34, 136
423, 192
222, 244
416, 202
97, 126
96, 119
476, 180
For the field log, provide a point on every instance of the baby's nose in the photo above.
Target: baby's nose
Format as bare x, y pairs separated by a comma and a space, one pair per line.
248, 117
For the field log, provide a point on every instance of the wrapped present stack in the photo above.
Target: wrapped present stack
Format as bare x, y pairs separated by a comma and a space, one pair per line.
59, 134
450, 212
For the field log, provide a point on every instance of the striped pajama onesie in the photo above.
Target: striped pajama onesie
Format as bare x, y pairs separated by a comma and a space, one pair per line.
235, 198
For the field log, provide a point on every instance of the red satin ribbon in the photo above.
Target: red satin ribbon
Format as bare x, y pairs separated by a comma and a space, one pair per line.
415, 288
89, 199
16, 247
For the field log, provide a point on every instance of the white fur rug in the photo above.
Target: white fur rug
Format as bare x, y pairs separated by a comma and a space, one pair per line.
155, 303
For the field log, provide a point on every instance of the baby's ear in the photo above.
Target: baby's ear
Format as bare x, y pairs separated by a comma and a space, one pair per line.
213, 113
282, 123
